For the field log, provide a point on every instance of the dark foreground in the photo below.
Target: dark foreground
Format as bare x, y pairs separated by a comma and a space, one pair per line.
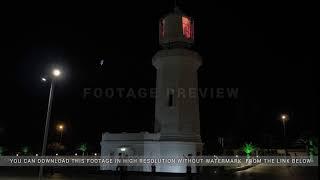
255, 173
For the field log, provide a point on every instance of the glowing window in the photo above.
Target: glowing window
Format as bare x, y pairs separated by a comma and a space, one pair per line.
186, 27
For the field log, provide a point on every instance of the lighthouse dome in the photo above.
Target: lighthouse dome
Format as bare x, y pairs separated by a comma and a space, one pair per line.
176, 30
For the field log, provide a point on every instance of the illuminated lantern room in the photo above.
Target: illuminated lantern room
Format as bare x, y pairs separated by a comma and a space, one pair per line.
176, 30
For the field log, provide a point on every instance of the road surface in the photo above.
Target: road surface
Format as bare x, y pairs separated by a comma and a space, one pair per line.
258, 172
261, 172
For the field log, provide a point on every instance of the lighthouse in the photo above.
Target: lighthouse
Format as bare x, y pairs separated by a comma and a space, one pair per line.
177, 123
177, 104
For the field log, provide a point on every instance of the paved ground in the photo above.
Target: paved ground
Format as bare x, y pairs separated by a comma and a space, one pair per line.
260, 172
255, 173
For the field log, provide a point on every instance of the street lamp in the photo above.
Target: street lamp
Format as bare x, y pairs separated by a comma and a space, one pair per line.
284, 118
60, 128
55, 74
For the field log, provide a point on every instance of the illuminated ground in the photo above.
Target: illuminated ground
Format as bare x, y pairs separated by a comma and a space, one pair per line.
274, 173
255, 173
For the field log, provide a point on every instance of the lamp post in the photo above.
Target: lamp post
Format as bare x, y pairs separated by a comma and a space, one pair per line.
60, 128
55, 73
284, 119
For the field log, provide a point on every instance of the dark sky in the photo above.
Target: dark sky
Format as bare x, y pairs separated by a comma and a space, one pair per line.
266, 49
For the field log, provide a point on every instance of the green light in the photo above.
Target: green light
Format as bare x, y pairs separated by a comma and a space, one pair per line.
83, 147
248, 148
25, 150
312, 148
2, 150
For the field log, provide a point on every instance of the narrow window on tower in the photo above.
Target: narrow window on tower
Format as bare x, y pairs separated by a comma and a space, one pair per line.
171, 102
186, 27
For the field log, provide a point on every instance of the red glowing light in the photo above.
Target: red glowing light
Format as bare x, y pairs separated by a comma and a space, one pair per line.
186, 27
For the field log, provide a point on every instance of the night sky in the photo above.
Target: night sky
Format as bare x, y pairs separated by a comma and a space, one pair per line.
266, 49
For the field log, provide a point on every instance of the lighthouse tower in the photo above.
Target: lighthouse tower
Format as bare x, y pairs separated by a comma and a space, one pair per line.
177, 105
177, 124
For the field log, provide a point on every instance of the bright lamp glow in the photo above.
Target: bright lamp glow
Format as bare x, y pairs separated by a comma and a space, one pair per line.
122, 149
284, 117
60, 127
56, 72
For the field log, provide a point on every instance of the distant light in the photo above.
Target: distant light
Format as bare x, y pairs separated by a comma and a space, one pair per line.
75, 154
248, 149
284, 117
56, 72
257, 156
17, 154
37, 155
43, 79
57, 154
95, 154
122, 149
60, 127
237, 156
